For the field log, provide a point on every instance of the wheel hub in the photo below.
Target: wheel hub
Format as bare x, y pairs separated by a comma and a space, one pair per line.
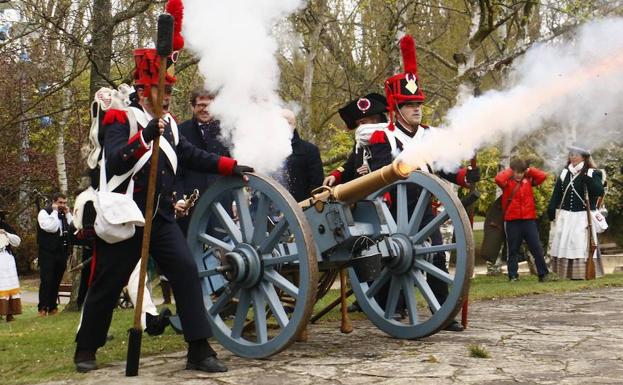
243, 265
402, 250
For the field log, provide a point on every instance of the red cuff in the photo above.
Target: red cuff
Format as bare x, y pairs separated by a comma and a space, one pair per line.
460, 177
338, 177
139, 150
378, 137
226, 165
114, 116
387, 197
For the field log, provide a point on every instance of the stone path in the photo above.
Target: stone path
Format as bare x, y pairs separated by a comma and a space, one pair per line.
574, 338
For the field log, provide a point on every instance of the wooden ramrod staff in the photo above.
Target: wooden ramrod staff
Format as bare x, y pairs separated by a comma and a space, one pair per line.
164, 47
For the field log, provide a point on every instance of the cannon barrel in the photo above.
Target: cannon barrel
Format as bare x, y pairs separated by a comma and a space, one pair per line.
360, 188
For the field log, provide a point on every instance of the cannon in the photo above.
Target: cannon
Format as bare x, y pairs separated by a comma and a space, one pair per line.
259, 254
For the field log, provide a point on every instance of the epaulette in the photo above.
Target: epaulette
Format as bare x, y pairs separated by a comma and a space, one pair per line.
114, 116
378, 137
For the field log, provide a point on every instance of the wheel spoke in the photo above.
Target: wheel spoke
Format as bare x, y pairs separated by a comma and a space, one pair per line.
227, 295
402, 213
271, 241
241, 314
426, 291
378, 283
420, 250
259, 308
280, 260
392, 297
225, 219
389, 218
213, 241
409, 289
275, 304
261, 220
433, 270
281, 282
244, 215
430, 228
419, 211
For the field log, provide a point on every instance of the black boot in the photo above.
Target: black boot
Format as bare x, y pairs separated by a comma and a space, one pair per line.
155, 324
85, 360
202, 357
454, 327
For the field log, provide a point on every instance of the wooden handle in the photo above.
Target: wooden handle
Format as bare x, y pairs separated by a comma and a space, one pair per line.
347, 326
151, 192
590, 263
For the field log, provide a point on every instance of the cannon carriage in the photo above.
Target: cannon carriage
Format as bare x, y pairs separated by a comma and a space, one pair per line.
259, 257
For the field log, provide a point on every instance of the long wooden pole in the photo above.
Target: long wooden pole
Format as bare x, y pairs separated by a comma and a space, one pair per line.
590, 263
472, 188
165, 22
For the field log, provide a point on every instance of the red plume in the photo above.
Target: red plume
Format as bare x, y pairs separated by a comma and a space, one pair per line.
176, 9
407, 47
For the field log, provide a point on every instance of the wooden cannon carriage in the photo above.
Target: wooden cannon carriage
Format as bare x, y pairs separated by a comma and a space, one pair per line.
259, 263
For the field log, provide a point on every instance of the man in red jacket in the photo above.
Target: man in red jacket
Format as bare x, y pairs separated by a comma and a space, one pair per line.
520, 214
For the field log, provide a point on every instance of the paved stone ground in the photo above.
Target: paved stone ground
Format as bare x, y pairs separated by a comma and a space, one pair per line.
574, 338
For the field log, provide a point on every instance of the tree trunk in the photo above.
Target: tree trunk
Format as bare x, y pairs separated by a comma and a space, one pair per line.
25, 219
308, 78
101, 47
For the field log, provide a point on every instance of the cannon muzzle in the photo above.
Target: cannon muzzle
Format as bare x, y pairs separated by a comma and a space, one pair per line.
361, 187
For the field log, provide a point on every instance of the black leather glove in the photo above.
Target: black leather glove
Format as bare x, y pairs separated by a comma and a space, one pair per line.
151, 131
472, 175
239, 170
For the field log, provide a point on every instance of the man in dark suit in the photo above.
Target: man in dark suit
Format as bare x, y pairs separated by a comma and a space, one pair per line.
204, 132
303, 169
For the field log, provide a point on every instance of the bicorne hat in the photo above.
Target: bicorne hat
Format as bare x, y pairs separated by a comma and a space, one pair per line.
369, 105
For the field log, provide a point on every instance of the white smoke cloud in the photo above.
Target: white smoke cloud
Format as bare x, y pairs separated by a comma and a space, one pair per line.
234, 42
576, 86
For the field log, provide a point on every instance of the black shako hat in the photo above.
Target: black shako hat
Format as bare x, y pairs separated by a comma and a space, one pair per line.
369, 105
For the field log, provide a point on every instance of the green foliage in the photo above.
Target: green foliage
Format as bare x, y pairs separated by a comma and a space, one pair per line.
478, 351
340, 143
36, 349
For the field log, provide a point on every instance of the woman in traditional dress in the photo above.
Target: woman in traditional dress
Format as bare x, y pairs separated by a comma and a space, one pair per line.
10, 302
569, 247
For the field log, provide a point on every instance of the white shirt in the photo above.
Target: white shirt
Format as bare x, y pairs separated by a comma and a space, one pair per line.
51, 223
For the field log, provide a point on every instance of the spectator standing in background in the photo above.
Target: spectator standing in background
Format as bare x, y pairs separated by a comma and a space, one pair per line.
53, 238
520, 215
10, 300
303, 169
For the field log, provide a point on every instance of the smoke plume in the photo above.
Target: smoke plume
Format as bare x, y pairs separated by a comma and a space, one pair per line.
234, 42
575, 86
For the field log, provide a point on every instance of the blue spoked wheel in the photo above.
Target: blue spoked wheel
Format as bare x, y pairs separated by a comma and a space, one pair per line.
401, 301
257, 263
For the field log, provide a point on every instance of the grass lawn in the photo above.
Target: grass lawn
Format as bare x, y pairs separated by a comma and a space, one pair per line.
34, 349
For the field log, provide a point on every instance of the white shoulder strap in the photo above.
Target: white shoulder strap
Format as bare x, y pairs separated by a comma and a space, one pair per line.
563, 174
117, 180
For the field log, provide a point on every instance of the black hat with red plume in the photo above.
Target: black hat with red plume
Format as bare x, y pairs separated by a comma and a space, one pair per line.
404, 87
147, 60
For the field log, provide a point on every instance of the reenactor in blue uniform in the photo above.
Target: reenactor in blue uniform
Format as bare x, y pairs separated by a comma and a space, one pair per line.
405, 99
114, 262
369, 109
